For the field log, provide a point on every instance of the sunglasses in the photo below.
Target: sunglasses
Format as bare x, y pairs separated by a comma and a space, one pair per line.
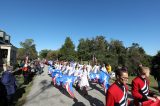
124, 78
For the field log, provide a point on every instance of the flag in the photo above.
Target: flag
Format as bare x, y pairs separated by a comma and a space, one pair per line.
104, 80
103, 77
55, 74
68, 84
94, 77
50, 70
59, 80
69, 87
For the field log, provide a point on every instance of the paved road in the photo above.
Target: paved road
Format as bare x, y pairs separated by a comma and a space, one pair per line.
43, 93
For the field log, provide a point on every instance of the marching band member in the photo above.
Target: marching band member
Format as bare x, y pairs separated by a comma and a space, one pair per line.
117, 92
140, 87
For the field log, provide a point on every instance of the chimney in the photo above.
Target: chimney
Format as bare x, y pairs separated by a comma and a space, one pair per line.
7, 39
2, 35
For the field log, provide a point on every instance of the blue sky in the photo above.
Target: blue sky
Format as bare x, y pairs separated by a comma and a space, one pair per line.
48, 22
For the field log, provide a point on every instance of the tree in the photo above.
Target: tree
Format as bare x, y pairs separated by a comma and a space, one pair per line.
83, 51
43, 53
94, 49
53, 55
21, 54
67, 51
156, 60
116, 53
30, 48
135, 56
100, 45
27, 43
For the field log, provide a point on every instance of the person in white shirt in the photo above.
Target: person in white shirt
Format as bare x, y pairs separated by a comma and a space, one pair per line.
66, 69
84, 84
84, 78
103, 68
96, 68
89, 68
71, 70
76, 71
63, 67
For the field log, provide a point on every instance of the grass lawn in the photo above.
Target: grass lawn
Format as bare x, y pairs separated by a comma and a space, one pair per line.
26, 90
22, 91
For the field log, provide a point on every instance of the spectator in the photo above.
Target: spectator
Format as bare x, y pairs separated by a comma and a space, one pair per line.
3, 95
9, 81
25, 74
109, 68
41, 67
38, 68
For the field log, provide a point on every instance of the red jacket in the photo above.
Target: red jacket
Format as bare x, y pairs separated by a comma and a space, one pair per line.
116, 95
140, 90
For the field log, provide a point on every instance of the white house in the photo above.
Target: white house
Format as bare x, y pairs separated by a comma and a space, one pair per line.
7, 51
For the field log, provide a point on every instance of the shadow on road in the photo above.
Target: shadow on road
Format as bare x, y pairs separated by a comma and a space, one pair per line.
77, 103
94, 86
42, 89
93, 101
62, 90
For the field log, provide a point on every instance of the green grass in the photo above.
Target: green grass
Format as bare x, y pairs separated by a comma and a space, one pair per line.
20, 80
22, 91
22, 100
